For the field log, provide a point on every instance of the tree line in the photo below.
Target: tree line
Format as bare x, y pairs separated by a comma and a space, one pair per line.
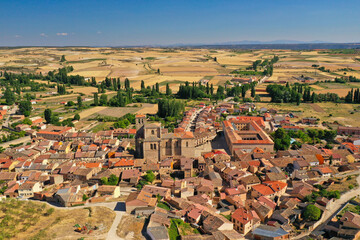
170, 108
298, 93
353, 96
267, 66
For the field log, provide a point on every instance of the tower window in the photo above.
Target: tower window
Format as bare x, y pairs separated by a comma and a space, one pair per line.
152, 132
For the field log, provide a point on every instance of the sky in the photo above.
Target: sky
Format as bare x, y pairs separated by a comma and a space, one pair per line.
166, 22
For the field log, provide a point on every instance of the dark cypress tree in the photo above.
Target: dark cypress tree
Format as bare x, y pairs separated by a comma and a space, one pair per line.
313, 98
348, 98
93, 81
96, 99
79, 102
127, 83
157, 87
168, 90
142, 85
118, 83
114, 84
252, 91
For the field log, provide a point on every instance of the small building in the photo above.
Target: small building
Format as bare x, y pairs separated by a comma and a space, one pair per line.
309, 120
354, 131
27, 189
243, 220
105, 190
266, 232
158, 233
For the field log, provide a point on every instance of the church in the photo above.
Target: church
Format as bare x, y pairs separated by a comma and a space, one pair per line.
155, 143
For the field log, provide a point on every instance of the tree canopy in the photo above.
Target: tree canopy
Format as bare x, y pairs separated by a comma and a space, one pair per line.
312, 212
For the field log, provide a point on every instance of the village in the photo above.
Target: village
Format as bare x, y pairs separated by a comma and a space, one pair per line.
216, 176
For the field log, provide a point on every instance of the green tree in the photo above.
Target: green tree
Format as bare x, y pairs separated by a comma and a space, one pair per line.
104, 180
93, 81
27, 121
157, 88
281, 139
312, 213
48, 115
252, 91
79, 102
168, 90
85, 197
113, 180
103, 100
114, 84
150, 176
9, 96
142, 85
76, 117
25, 107
96, 99
127, 83
70, 104
63, 58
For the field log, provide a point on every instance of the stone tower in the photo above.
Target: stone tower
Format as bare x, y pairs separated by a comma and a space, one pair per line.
140, 121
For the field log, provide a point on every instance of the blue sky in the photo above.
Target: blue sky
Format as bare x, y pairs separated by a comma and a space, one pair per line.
141, 22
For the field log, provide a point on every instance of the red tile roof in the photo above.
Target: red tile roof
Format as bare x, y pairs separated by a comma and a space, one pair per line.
124, 163
242, 215
263, 189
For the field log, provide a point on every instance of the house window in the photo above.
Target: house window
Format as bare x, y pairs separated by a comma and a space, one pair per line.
155, 146
187, 144
152, 132
151, 146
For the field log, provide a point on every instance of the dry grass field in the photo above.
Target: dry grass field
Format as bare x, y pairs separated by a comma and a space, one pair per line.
140, 108
35, 220
343, 113
175, 65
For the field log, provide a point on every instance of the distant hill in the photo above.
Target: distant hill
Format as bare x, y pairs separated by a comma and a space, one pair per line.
290, 46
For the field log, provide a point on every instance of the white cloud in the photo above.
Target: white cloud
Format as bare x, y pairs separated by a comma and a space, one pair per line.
43, 35
99, 32
18, 36
62, 34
